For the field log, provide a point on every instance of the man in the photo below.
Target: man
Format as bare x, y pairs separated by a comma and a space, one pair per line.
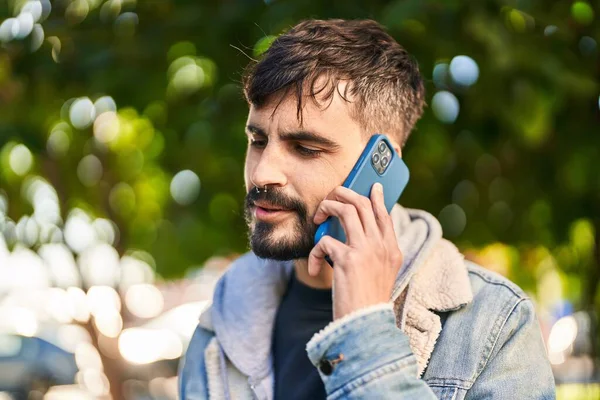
401, 314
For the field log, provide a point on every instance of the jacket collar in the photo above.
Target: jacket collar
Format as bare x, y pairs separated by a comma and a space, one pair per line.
440, 285
433, 279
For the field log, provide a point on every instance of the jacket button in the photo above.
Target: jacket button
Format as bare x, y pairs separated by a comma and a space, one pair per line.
326, 367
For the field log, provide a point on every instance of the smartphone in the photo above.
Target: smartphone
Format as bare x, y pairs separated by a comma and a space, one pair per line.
378, 162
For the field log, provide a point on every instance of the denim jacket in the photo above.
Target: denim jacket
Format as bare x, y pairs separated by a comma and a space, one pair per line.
451, 330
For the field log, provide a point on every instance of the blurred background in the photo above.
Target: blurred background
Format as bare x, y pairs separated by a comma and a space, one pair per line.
121, 156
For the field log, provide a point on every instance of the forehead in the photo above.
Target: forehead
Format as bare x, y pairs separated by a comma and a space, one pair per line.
330, 117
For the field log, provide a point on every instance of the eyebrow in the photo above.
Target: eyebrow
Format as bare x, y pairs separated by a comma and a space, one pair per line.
302, 136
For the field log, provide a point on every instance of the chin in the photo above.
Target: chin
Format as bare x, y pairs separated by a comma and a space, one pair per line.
276, 243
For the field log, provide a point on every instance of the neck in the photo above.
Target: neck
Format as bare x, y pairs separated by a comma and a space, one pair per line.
323, 280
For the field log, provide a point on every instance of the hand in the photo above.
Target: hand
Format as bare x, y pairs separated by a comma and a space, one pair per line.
365, 268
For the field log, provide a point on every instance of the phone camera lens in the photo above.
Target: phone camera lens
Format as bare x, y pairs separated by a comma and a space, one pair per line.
384, 162
375, 158
382, 147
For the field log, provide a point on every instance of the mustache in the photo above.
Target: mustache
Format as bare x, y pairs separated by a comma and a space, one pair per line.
277, 198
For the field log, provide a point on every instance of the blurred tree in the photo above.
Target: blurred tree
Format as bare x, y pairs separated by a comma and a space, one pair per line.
508, 151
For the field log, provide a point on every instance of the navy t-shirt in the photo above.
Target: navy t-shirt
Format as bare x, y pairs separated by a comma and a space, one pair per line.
303, 312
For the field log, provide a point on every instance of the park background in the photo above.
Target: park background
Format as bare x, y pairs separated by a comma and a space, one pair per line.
121, 154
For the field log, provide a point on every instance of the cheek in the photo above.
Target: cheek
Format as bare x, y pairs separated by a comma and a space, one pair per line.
315, 187
325, 183
248, 168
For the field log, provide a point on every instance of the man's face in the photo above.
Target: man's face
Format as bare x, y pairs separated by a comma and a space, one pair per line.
299, 165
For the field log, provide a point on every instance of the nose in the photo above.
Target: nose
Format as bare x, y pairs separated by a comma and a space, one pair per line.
269, 170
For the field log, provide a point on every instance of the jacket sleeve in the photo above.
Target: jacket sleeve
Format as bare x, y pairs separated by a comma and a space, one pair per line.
192, 371
377, 361
518, 367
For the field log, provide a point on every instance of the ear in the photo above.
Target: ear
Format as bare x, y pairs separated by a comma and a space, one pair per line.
396, 146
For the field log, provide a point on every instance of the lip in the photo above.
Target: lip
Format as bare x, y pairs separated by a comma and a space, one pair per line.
269, 215
267, 206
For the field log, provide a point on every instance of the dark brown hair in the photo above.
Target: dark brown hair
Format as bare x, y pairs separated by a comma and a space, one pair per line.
384, 82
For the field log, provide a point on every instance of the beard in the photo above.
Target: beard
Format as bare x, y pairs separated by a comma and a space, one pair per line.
263, 237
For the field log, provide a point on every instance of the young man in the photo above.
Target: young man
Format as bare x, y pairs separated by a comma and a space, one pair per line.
401, 315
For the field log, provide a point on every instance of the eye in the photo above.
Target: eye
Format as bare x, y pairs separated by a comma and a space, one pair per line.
306, 152
258, 143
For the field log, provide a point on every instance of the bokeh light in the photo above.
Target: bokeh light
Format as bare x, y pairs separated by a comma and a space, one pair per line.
87, 357
550, 30
9, 29
19, 320
96, 382
466, 194
101, 299
77, 11
441, 75
563, 335
125, 24
25, 23
61, 264
464, 70
99, 265
27, 231
89, 170
21, 159
453, 220
109, 322
106, 231
106, 126
135, 271
582, 12
110, 10
188, 78
185, 187
143, 346
70, 335
37, 38
587, 46
58, 141
104, 104
56, 47
58, 304
82, 112
518, 21
188, 75
34, 8
144, 300
79, 304
79, 232
25, 269
445, 106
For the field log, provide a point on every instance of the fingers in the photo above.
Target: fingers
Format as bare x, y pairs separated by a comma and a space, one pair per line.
327, 246
384, 222
361, 204
382, 217
347, 215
